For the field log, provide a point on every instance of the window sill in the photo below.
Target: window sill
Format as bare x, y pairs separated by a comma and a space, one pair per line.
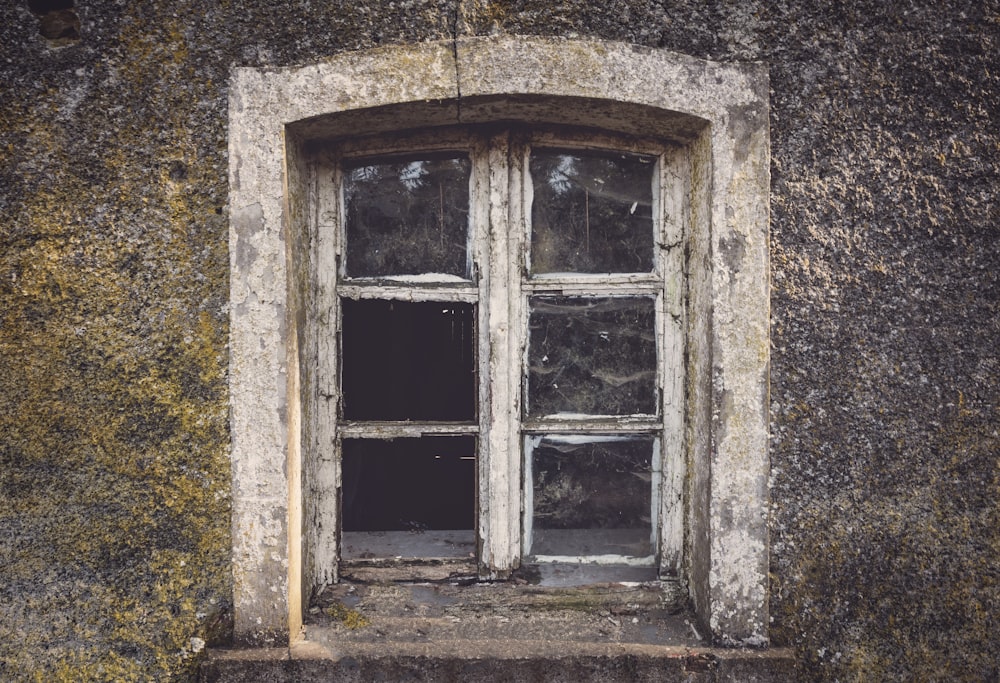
515, 611
500, 631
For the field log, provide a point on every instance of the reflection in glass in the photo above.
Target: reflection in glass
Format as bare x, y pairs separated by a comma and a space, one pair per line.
407, 217
591, 212
591, 495
594, 356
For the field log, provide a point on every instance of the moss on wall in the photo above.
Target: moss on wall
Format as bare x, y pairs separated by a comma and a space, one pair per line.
114, 532
114, 535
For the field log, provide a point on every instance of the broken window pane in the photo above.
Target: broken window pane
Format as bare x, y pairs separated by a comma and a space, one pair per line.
592, 495
409, 497
407, 217
591, 212
408, 360
594, 356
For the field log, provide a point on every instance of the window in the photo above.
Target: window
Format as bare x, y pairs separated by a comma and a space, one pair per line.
513, 351
507, 369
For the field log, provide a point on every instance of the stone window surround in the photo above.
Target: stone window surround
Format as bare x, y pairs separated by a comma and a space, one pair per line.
718, 112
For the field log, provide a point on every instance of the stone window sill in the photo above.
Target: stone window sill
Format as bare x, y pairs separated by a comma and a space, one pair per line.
509, 631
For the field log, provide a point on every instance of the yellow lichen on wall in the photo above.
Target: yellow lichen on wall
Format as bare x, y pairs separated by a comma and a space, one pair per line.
112, 287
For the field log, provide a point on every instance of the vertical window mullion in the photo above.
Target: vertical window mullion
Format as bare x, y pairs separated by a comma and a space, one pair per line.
479, 217
499, 513
517, 247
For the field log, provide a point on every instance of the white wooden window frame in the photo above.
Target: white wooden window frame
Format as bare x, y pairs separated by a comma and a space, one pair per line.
499, 241
717, 113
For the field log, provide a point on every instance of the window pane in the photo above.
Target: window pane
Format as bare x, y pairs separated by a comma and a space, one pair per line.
400, 497
408, 360
407, 217
594, 356
591, 212
592, 495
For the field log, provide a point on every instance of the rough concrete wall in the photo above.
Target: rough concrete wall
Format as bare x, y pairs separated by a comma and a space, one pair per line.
885, 335
114, 527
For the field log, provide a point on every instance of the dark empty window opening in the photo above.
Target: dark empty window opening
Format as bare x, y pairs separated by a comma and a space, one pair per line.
408, 360
411, 497
403, 363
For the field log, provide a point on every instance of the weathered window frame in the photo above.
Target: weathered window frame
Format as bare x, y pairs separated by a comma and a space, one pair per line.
500, 237
716, 113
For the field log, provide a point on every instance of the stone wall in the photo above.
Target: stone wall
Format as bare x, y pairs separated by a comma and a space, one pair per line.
885, 252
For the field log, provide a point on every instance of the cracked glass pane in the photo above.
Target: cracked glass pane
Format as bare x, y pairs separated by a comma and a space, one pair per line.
592, 356
408, 360
591, 212
407, 217
592, 495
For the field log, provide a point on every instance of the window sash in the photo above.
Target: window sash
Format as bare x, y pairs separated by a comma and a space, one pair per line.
501, 286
